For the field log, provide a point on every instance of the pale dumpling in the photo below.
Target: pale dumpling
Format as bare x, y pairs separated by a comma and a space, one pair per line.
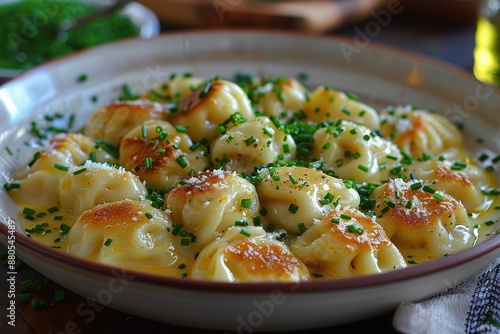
344, 243
252, 143
280, 97
355, 152
85, 186
210, 106
248, 254
326, 104
419, 131
65, 150
112, 122
421, 221
38, 180
160, 154
130, 234
208, 203
294, 197
173, 90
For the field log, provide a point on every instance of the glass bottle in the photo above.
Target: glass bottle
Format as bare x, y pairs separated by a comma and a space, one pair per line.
487, 49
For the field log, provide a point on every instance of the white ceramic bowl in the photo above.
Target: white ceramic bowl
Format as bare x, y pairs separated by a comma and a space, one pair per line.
380, 76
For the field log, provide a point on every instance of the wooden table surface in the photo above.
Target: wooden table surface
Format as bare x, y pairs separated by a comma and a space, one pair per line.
453, 45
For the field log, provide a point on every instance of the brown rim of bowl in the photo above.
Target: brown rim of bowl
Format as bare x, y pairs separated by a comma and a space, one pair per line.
336, 284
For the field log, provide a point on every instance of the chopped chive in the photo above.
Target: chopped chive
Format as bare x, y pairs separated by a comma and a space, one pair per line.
409, 204
345, 110
286, 148
344, 216
268, 131
59, 295
230, 138
185, 241
181, 128
181, 161
240, 223
263, 211
23, 297
355, 229
108, 242
250, 140
82, 78
429, 189
363, 168
148, 162
392, 157
384, 210
327, 146
256, 221
144, 132
93, 157
245, 232
293, 180
390, 203
35, 158
302, 227
10, 186
489, 222
28, 211
352, 96
8, 150
293, 208
82, 170
34, 304
64, 229
148, 215
335, 220
205, 90
61, 167
416, 186
438, 196
246, 203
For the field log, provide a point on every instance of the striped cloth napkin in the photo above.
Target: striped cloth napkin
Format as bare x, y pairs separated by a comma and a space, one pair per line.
472, 306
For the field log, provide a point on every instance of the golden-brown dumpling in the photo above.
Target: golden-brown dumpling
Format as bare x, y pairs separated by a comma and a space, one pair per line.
248, 254
112, 122
208, 203
326, 104
281, 97
420, 221
353, 151
419, 131
293, 196
159, 154
252, 143
130, 234
211, 105
346, 243
84, 187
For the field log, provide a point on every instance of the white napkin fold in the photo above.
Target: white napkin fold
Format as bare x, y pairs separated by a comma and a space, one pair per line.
472, 306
